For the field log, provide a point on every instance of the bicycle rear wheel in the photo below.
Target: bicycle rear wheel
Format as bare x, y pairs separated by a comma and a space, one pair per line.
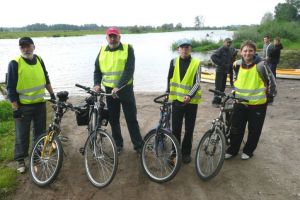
210, 154
161, 156
100, 158
45, 160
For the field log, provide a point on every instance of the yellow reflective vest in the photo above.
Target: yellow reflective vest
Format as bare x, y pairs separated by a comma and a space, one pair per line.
249, 85
112, 65
31, 82
178, 88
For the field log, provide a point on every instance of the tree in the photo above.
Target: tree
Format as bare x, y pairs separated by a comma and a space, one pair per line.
295, 3
285, 12
178, 26
268, 17
199, 22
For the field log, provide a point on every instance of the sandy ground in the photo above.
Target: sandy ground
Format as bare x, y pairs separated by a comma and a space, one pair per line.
273, 172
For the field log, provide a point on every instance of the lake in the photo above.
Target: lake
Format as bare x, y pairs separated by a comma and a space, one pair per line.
70, 60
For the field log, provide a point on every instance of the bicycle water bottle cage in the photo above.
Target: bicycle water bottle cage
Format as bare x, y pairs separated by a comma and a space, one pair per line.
62, 96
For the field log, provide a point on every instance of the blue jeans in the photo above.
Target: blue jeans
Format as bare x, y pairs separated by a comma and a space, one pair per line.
35, 113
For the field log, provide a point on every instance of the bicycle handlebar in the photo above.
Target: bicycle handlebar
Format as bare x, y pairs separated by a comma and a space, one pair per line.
222, 94
156, 100
88, 90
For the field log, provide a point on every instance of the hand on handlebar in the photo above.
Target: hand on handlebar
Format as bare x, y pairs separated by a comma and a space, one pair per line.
114, 93
97, 88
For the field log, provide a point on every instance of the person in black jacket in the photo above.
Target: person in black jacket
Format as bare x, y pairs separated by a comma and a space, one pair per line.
275, 55
223, 58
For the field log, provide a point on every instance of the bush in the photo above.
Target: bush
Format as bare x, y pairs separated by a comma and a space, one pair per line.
8, 182
5, 111
200, 46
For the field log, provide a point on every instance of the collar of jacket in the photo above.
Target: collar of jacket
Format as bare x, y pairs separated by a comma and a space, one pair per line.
120, 47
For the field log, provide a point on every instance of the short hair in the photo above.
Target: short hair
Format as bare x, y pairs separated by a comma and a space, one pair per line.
277, 38
248, 43
267, 36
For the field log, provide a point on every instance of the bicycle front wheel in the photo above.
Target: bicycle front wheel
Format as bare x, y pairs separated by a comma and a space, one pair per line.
45, 160
161, 156
100, 158
210, 154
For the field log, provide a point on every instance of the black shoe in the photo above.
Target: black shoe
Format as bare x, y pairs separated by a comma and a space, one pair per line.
186, 159
120, 149
138, 151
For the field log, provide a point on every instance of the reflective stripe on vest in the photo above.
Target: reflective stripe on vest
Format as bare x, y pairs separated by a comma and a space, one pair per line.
112, 64
179, 89
250, 86
31, 82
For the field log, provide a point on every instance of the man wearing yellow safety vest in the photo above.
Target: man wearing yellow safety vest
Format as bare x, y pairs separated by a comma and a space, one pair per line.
184, 90
255, 82
26, 83
114, 68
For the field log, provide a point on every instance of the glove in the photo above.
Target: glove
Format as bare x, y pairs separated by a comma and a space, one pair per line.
52, 96
17, 114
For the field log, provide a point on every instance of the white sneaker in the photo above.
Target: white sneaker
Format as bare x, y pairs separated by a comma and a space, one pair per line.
245, 156
21, 168
227, 155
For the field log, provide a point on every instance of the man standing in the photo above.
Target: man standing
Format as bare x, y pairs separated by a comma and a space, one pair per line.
184, 90
114, 67
223, 58
26, 83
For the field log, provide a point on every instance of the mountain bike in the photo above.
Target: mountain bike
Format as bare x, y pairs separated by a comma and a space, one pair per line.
47, 154
100, 154
210, 152
161, 153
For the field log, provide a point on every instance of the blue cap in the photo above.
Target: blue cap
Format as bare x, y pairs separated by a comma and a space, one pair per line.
184, 41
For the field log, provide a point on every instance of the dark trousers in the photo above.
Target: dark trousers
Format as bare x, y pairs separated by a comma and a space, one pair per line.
189, 112
127, 100
35, 113
220, 84
273, 68
241, 116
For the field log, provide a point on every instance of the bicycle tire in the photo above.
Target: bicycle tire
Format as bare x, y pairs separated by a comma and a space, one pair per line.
166, 158
206, 166
44, 170
99, 154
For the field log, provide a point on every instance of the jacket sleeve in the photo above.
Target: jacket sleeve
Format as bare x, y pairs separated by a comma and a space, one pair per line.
97, 72
196, 86
268, 77
129, 68
216, 57
12, 80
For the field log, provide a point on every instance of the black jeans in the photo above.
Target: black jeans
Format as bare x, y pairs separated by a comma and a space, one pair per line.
35, 113
189, 112
241, 116
220, 84
127, 100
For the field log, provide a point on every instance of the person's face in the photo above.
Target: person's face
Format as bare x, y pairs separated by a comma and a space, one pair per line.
227, 44
266, 40
276, 42
27, 50
184, 51
113, 40
247, 54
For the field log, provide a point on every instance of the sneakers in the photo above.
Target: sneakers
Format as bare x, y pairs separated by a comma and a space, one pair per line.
186, 159
21, 168
245, 156
228, 156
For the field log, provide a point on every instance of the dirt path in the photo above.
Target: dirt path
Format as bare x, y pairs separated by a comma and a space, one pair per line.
273, 172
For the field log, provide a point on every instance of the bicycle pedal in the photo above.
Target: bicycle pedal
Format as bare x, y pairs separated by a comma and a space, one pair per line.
81, 150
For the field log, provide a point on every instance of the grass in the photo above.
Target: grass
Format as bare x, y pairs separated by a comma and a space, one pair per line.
8, 175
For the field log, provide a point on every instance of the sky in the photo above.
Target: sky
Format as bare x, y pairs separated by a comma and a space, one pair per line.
18, 13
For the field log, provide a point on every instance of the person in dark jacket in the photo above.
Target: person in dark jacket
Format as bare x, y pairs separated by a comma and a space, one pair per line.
254, 82
114, 69
185, 93
223, 58
275, 55
26, 83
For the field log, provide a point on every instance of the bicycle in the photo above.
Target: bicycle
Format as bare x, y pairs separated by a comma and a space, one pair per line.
161, 153
210, 151
47, 153
100, 154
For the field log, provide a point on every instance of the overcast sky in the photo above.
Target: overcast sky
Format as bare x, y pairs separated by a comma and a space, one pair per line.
17, 13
